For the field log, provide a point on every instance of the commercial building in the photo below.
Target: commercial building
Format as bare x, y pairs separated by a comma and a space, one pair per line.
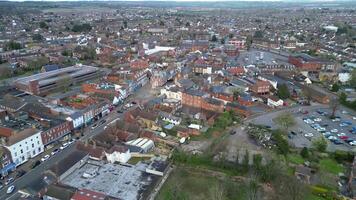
24, 145
46, 82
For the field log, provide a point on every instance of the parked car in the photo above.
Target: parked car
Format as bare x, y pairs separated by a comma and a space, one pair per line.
102, 122
35, 164
308, 135
317, 120
54, 152
64, 145
334, 130
337, 142
10, 189
119, 111
94, 126
1, 185
332, 138
352, 143
44, 158
9, 180
341, 134
20, 173
344, 137
71, 141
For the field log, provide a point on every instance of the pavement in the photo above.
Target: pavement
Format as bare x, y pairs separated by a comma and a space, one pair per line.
37, 172
300, 140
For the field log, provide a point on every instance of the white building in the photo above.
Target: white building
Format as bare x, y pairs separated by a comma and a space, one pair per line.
77, 119
141, 145
344, 77
172, 93
25, 145
118, 154
274, 102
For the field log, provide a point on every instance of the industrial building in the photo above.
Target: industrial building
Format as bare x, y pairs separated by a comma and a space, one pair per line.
46, 82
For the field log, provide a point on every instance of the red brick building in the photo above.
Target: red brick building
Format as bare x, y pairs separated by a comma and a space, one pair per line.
193, 98
139, 64
305, 62
260, 87
56, 132
211, 104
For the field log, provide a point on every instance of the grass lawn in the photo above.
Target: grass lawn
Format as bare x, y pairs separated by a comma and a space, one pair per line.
195, 186
296, 159
331, 166
135, 160
314, 197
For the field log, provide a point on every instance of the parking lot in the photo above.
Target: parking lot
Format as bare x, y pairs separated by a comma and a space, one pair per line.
319, 125
312, 124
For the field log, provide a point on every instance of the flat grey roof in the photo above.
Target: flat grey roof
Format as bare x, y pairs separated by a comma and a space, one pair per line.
123, 182
51, 76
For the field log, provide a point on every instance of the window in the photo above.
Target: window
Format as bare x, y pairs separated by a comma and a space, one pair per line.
21, 151
33, 145
39, 149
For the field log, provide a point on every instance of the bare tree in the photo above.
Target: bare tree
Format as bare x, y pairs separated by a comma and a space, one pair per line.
288, 187
253, 189
333, 104
217, 192
285, 120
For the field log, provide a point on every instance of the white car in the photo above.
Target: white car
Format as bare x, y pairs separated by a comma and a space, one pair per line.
336, 120
341, 134
354, 117
317, 120
332, 138
352, 143
10, 189
64, 145
308, 135
44, 158
334, 130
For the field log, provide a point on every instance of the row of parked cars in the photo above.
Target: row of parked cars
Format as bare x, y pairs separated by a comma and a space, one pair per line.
55, 151
333, 135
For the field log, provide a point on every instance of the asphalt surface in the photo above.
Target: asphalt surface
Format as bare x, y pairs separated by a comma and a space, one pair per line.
301, 127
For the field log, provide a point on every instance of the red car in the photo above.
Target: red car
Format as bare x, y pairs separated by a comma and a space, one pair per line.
344, 137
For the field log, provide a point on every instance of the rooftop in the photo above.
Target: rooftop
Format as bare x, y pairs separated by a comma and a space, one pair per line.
120, 181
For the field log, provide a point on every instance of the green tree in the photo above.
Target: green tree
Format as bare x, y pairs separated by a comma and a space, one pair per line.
214, 38
37, 37
285, 120
12, 45
343, 97
304, 152
283, 91
335, 87
248, 41
125, 24
231, 35
258, 34
320, 144
353, 78
222, 41
187, 24
281, 143
43, 25
82, 27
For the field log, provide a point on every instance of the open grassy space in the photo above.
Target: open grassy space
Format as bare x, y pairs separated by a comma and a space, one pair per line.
331, 166
196, 186
295, 158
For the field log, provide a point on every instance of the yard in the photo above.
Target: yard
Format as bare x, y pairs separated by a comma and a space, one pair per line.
196, 185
